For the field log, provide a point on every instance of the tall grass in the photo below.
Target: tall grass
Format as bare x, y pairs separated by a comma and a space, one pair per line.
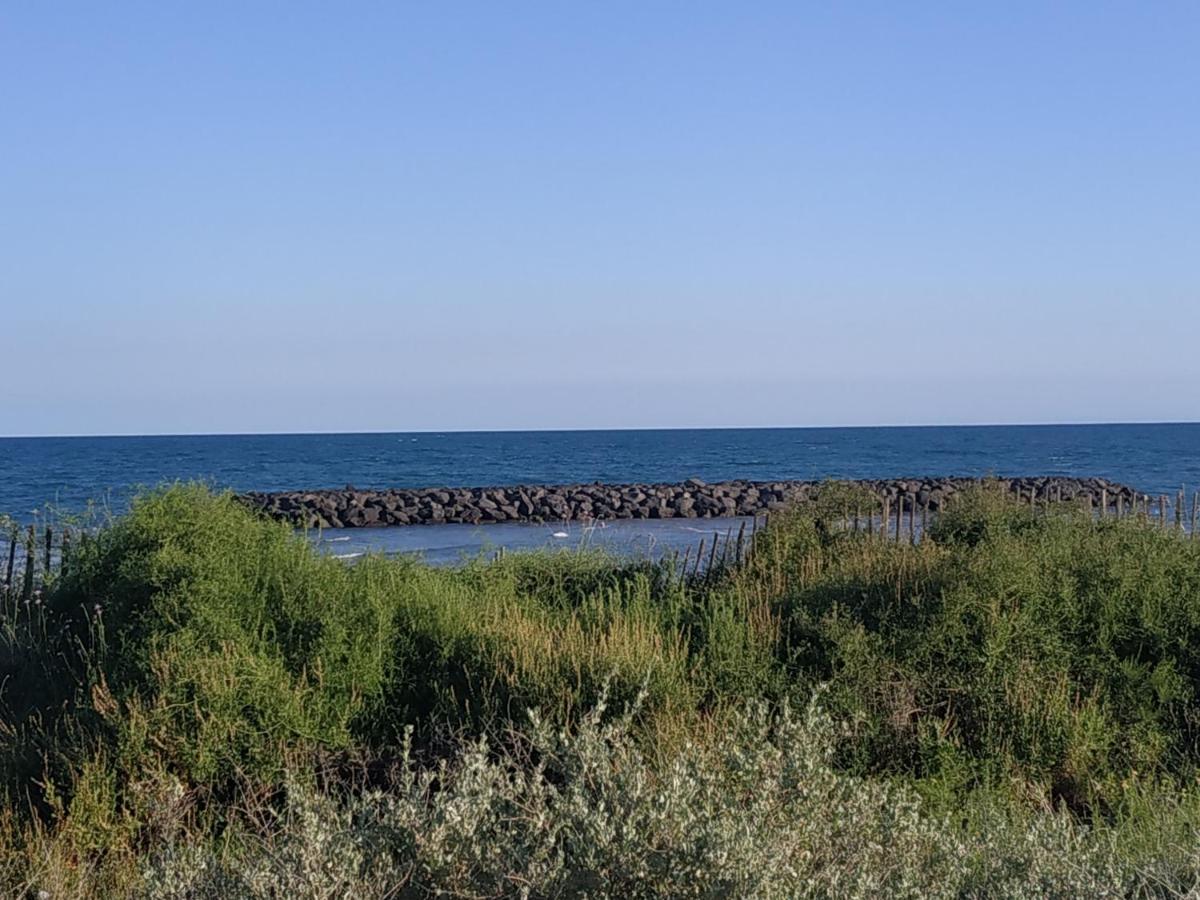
201, 697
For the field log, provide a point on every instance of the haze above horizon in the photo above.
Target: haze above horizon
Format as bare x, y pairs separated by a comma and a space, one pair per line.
372, 218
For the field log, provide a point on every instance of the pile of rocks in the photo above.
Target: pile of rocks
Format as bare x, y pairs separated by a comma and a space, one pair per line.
351, 508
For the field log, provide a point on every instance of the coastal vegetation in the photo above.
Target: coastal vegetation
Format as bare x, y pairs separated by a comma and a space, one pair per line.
200, 704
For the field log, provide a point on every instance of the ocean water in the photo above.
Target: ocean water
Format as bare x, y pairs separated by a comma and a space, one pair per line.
68, 472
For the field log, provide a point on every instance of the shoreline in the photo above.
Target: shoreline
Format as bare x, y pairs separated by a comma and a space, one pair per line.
692, 499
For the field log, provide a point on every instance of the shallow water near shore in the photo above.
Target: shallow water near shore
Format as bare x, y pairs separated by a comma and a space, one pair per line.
450, 544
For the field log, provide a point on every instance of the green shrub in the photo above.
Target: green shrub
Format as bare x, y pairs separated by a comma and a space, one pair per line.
1041, 651
758, 813
480, 646
1027, 673
193, 632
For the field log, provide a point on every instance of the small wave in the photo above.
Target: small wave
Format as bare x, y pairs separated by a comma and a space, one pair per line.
560, 534
336, 540
347, 555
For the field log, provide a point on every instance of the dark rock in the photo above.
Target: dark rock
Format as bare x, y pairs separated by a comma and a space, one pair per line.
354, 508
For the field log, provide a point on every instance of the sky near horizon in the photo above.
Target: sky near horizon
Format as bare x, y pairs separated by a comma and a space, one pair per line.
265, 217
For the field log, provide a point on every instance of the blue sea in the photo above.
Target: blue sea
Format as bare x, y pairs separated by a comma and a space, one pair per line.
68, 472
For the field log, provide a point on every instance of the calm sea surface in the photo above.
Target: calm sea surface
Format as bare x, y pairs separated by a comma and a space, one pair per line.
68, 472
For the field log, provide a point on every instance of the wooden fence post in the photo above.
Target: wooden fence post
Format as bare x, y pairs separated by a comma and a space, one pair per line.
9, 587
912, 521
741, 543
1162, 510
885, 521
924, 518
30, 562
1195, 511
1104, 503
1180, 502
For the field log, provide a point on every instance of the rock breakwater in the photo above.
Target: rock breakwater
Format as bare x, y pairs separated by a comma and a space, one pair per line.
693, 499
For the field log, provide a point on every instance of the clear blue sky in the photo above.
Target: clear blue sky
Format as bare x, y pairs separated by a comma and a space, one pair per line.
294, 216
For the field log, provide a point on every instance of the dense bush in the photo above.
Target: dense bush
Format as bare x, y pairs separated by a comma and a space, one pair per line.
1032, 676
760, 813
190, 633
1043, 651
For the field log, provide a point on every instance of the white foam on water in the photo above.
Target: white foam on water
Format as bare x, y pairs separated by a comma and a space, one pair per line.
560, 534
335, 540
347, 555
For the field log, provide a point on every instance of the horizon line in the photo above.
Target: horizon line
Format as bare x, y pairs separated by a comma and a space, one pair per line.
580, 429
